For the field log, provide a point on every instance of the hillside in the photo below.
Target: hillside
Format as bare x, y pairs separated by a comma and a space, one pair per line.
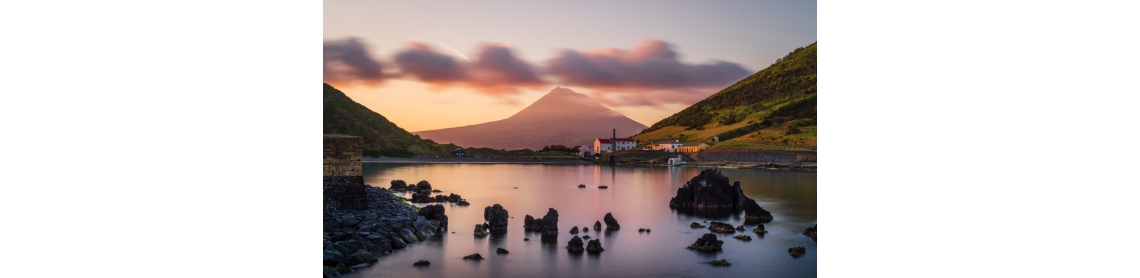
774, 108
561, 117
342, 115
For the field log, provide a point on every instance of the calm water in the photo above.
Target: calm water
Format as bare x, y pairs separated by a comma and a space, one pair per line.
638, 197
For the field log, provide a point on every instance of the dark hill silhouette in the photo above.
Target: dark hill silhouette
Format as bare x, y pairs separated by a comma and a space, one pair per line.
561, 117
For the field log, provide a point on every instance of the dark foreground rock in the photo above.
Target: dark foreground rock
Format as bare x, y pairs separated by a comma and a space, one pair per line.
753, 213
707, 243
810, 232
496, 217
362, 222
423, 186
398, 185
594, 246
611, 223
575, 245
797, 251
709, 190
720, 227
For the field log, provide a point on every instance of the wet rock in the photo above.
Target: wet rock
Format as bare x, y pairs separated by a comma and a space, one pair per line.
721, 227
740, 228
530, 225
398, 185
575, 245
435, 212
496, 217
436, 191
581, 186
597, 225
333, 255
753, 213
696, 225
743, 237
760, 230
594, 246
707, 243
526, 239
480, 230
475, 256
643, 230
547, 225
603, 187
463, 203
423, 186
454, 198
810, 232
422, 198
720, 262
709, 190
360, 257
440, 198
611, 223
586, 237
330, 272
422, 263
797, 251
574, 230
501, 251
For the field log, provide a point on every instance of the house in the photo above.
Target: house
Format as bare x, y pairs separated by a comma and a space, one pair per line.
459, 152
676, 160
667, 145
607, 145
584, 151
692, 147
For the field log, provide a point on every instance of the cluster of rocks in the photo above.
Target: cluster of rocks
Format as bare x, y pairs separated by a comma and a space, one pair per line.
797, 251
707, 243
423, 187
710, 191
810, 232
427, 198
575, 245
720, 227
375, 222
421, 193
547, 225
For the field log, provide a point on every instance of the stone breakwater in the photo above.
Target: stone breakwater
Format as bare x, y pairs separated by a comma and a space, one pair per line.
374, 224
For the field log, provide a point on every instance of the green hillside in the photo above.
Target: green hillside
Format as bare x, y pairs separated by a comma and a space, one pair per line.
774, 108
344, 116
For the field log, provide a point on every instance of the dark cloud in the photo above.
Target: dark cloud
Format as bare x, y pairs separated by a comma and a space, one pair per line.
347, 61
495, 71
652, 66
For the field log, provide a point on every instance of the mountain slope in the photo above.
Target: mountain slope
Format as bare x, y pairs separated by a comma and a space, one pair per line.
342, 115
774, 108
561, 117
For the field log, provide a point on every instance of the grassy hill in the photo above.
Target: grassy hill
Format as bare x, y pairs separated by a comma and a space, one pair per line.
774, 108
342, 115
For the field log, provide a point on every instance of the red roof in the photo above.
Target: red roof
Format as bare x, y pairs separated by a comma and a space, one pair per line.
606, 140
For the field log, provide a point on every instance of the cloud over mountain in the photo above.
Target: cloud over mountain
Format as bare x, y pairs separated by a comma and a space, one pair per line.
495, 71
347, 62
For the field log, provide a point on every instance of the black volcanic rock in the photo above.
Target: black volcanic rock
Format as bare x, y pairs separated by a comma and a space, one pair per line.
422, 198
496, 217
398, 185
556, 118
597, 225
547, 225
440, 198
594, 246
530, 225
454, 198
709, 190
721, 227
707, 243
696, 225
463, 203
753, 213
797, 251
574, 230
611, 223
435, 212
760, 230
502, 251
575, 245
423, 186
810, 232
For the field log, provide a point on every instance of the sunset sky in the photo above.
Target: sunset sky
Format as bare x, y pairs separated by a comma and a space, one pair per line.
437, 64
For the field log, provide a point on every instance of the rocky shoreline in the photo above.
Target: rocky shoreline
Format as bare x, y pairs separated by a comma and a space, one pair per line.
363, 222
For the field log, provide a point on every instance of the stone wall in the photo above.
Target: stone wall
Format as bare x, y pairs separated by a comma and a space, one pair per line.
642, 154
754, 155
343, 155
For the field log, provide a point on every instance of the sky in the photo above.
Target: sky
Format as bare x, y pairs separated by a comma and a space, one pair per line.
437, 64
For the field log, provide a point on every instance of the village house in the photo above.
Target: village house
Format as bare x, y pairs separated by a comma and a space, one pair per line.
666, 145
692, 147
584, 151
607, 145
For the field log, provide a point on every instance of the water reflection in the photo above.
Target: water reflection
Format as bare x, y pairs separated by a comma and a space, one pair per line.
637, 197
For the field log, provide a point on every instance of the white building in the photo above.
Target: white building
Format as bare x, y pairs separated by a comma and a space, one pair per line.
606, 145
667, 145
584, 150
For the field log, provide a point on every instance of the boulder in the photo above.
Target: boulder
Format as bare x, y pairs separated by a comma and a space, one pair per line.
440, 198
696, 225
398, 185
475, 256
550, 224
643, 230
530, 225
709, 190
740, 228
480, 230
422, 263
463, 203
586, 237
360, 257
581, 186
454, 198
435, 212
760, 230
575, 245
719, 227
720, 262
422, 198
707, 243
797, 251
753, 213
436, 191
423, 186
496, 217
810, 232
335, 256
585, 229
594, 246
597, 225
330, 272
574, 230
611, 223
501, 251
743, 237
603, 187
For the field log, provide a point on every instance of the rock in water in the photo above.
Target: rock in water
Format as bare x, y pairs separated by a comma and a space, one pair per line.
422, 198
502, 251
574, 230
398, 185
760, 230
574, 245
496, 217
454, 198
696, 225
480, 230
597, 225
594, 246
707, 243
743, 237
740, 228
581, 186
810, 232
721, 262
721, 227
423, 186
436, 191
550, 224
463, 203
797, 251
435, 212
530, 225
585, 229
753, 213
422, 263
709, 190
611, 223
475, 256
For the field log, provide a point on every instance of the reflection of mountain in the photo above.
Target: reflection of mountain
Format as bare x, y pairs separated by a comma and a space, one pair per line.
561, 117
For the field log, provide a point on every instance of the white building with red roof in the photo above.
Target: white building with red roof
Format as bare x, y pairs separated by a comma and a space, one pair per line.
606, 145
